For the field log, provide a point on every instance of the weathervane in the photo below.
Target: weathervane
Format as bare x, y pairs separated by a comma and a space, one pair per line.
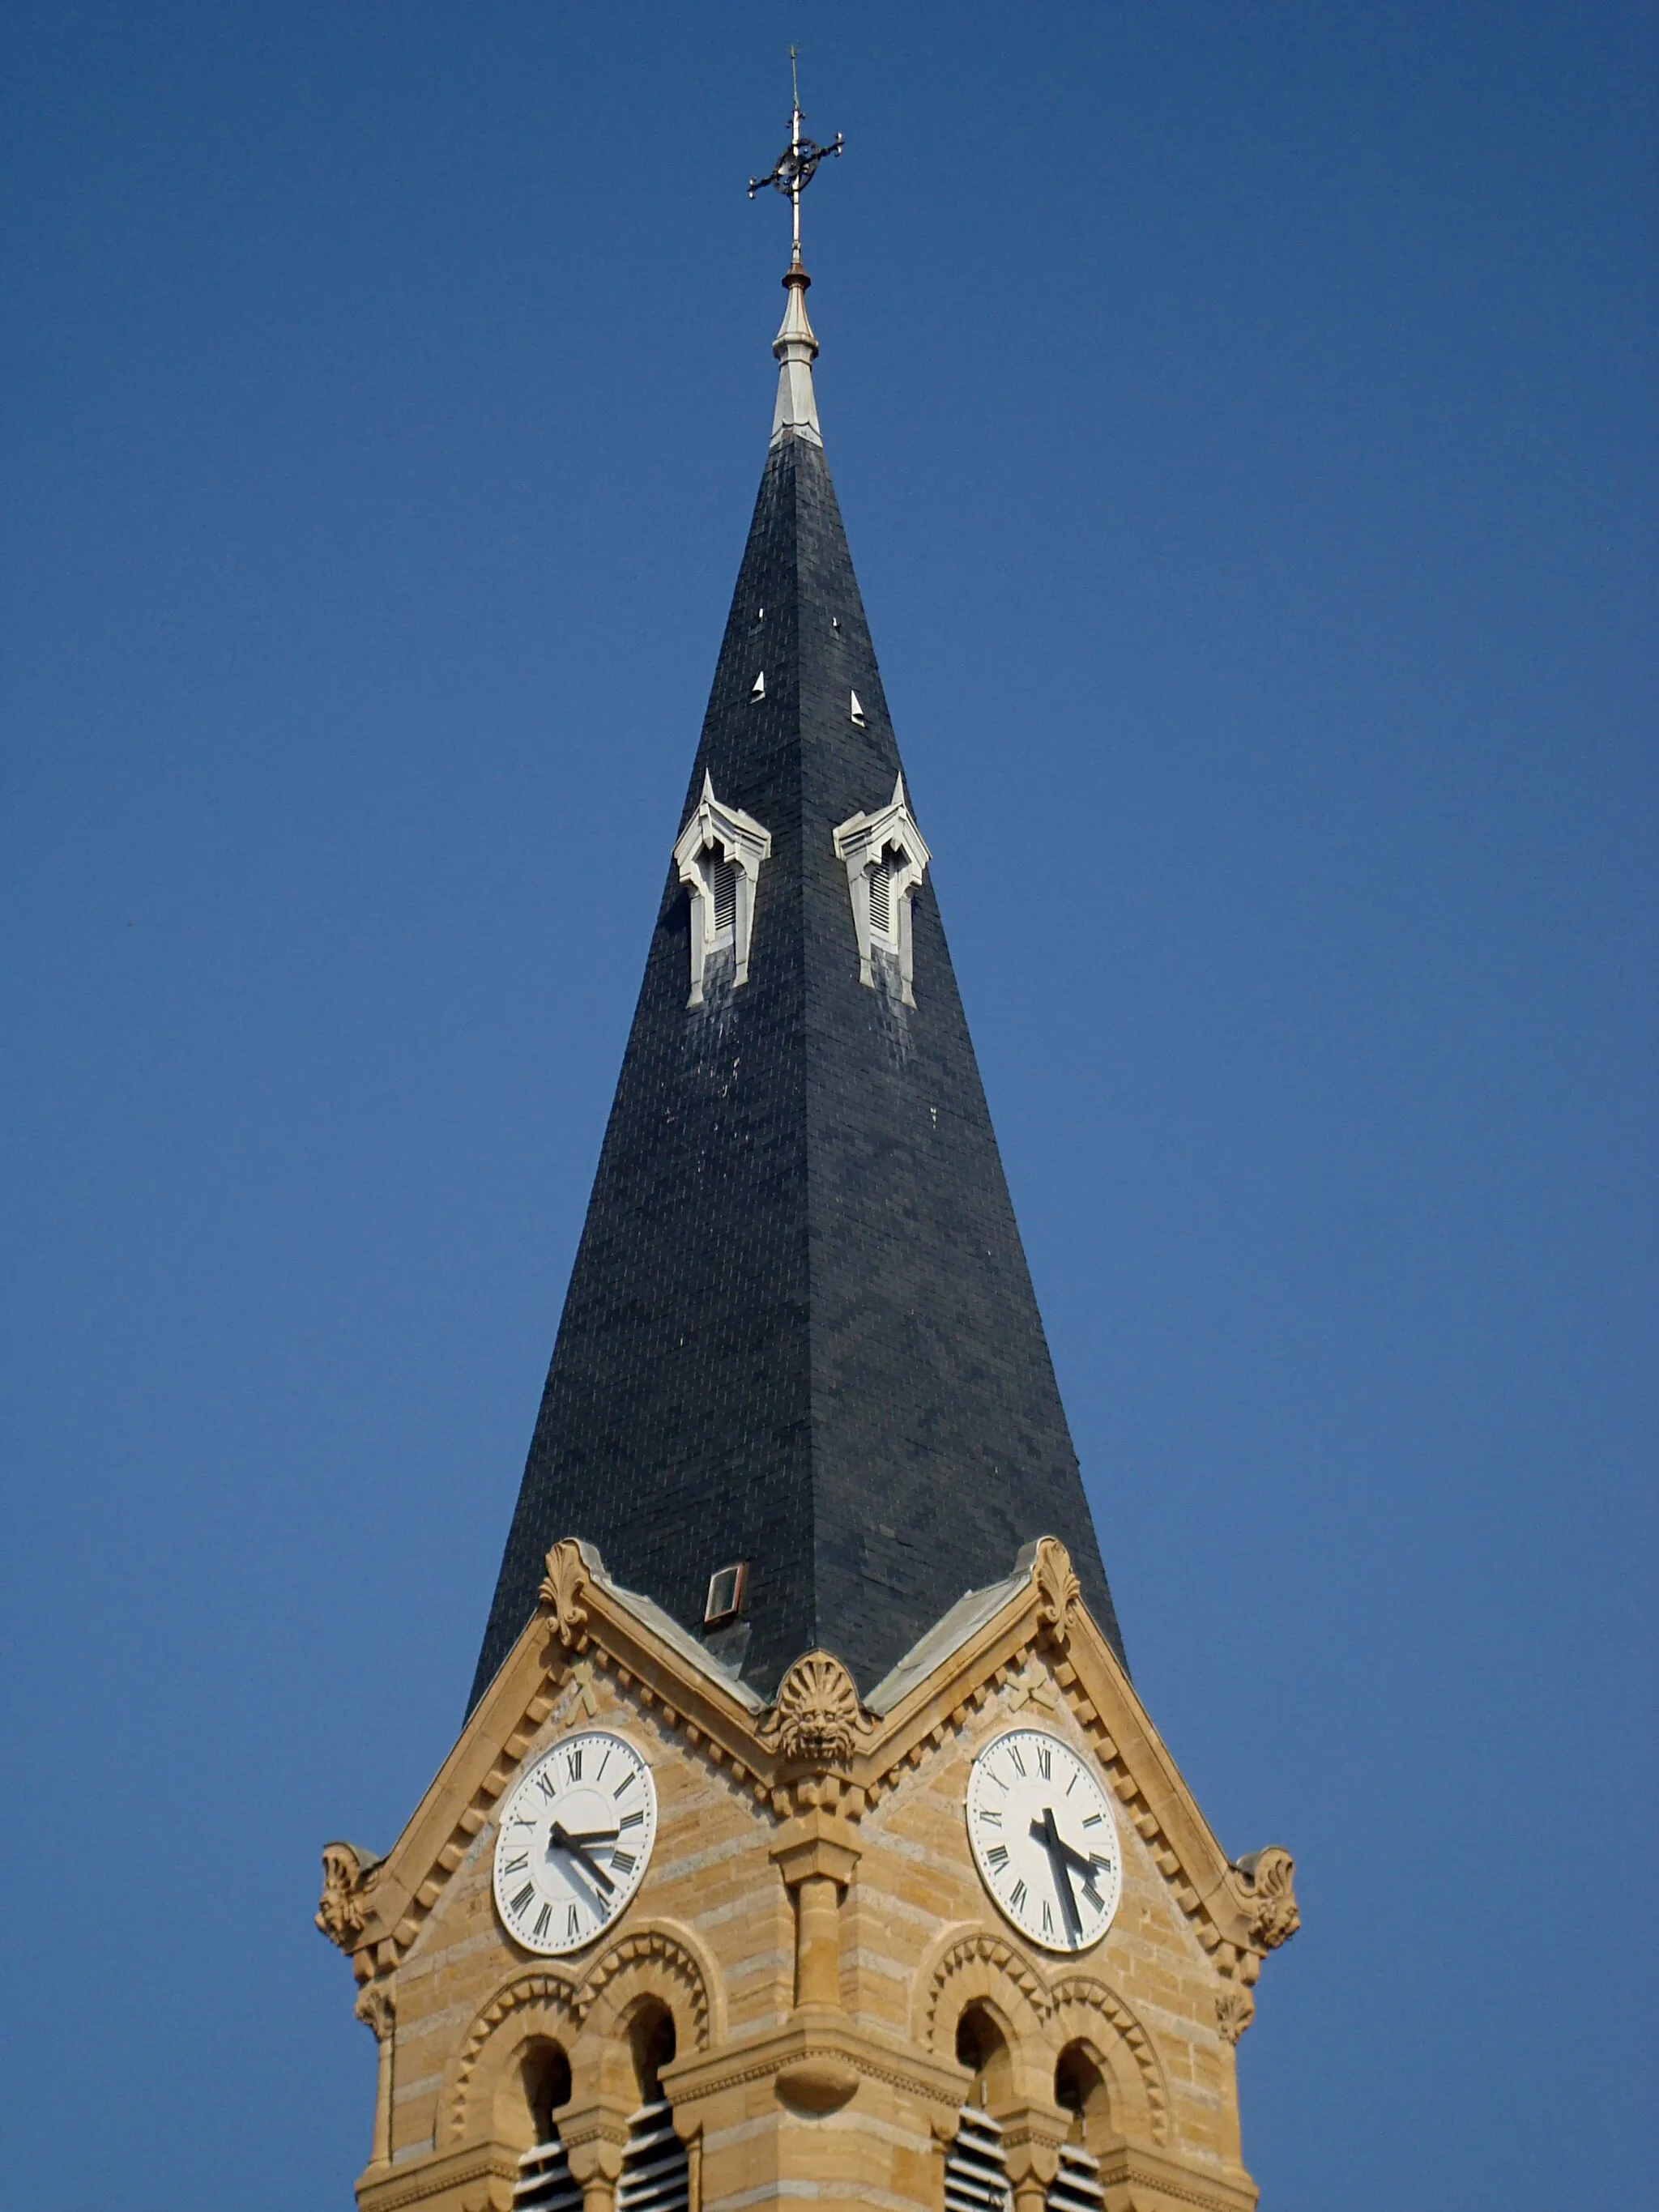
798, 162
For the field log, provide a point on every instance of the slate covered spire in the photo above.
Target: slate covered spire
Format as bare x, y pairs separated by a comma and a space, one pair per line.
799, 1331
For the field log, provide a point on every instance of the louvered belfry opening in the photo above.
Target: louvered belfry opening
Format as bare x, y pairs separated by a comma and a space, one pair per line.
656, 2173
544, 2183
656, 2170
976, 2166
1077, 2186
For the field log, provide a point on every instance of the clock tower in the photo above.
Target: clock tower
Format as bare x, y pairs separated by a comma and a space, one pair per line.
805, 1837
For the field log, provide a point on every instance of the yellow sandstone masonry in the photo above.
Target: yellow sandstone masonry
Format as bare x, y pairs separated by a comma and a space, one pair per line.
813, 1924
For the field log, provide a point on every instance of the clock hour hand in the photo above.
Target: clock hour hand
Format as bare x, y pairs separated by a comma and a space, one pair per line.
1088, 1867
590, 1836
1049, 1837
558, 1838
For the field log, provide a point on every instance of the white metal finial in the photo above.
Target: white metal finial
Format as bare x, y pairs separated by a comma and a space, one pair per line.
795, 346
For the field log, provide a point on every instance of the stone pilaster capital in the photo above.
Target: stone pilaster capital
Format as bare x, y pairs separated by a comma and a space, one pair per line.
817, 1843
595, 2137
1032, 2137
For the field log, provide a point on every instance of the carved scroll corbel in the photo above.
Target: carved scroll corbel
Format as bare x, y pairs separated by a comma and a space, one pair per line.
1264, 1883
561, 1593
1235, 2008
346, 1873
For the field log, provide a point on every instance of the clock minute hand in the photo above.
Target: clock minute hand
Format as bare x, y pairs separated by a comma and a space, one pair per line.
1048, 1835
579, 1852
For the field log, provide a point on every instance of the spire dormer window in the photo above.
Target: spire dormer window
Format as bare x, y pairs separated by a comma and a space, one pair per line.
885, 861
719, 855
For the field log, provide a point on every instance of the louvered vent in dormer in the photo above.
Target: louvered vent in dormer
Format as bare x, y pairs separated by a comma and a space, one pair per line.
725, 900
881, 902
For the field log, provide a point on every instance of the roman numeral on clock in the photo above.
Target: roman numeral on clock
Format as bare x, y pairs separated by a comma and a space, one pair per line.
633, 1820
573, 1760
622, 1863
1045, 1761
997, 1856
517, 1865
542, 1920
526, 1898
572, 1922
1017, 1895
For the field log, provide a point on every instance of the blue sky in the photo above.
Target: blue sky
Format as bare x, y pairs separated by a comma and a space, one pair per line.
1243, 419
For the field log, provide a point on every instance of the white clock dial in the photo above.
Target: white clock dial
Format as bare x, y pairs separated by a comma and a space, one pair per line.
575, 1836
1044, 1840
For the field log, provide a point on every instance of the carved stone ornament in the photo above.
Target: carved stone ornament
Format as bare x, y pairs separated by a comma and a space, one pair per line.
1058, 1587
377, 2009
1265, 1883
1235, 2008
340, 1909
816, 1720
560, 1592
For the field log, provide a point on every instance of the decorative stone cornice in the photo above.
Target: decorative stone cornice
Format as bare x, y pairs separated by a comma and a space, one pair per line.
821, 2041
818, 1748
1132, 2175
439, 2175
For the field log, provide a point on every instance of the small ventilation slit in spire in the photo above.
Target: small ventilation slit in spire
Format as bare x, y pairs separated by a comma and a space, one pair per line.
856, 710
759, 690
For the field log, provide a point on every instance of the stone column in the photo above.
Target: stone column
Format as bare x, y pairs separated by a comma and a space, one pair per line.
816, 1855
377, 2009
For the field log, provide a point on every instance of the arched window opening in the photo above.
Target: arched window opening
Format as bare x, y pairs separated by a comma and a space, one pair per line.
976, 2164
1080, 2090
656, 2172
544, 2183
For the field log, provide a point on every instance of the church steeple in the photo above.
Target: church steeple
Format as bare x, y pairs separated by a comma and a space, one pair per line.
799, 1334
807, 1837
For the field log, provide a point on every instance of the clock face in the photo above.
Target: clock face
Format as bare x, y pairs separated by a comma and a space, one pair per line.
575, 1838
1044, 1840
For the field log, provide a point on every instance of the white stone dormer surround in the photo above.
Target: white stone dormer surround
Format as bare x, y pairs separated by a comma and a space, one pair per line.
885, 859
717, 838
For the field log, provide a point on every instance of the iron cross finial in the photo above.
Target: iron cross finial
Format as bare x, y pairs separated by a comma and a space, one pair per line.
794, 168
